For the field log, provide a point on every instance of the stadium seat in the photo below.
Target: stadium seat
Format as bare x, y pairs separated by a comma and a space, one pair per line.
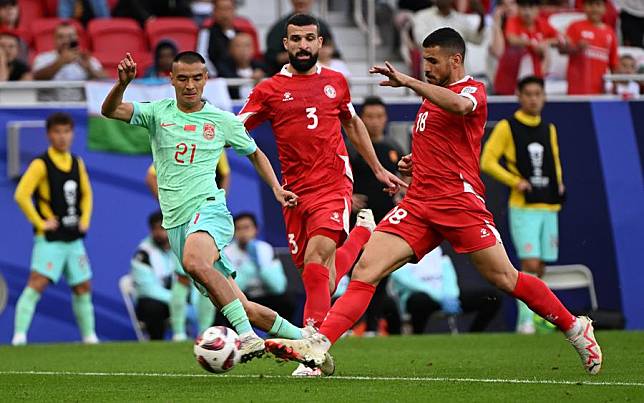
126, 286
30, 10
572, 276
118, 35
51, 8
110, 59
181, 30
43, 33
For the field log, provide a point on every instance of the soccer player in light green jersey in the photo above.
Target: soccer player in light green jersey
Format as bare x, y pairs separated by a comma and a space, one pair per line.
188, 136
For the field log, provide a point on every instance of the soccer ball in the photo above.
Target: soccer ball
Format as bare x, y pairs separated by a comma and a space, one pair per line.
217, 349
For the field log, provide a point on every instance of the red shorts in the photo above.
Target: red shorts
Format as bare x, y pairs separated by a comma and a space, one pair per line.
320, 213
463, 220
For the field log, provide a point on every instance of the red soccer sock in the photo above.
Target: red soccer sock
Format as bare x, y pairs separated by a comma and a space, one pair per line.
536, 294
347, 310
318, 299
346, 255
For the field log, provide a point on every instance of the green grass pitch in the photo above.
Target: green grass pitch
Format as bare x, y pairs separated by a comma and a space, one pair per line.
488, 367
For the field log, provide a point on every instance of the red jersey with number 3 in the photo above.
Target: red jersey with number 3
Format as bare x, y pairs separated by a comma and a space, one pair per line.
446, 146
306, 112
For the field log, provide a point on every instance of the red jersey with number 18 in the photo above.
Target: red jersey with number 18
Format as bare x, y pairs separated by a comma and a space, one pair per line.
446, 146
306, 112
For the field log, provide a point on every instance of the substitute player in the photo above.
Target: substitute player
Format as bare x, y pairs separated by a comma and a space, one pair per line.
61, 215
308, 105
188, 135
444, 202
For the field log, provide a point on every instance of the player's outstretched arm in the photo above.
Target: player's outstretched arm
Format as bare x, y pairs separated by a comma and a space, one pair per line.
444, 98
359, 136
265, 170
113, 105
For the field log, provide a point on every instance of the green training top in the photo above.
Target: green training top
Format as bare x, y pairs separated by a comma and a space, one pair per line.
185, 149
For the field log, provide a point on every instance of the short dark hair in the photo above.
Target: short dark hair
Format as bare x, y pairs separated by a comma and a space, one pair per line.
59, 118
627, 56
155, 218
371, 101
245, 214
530, 80
446, 38
189, 57
528, 3
594, 1
301, 20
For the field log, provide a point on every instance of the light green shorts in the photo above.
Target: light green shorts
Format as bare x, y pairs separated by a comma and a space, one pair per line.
214, 219
535, 233
53, 259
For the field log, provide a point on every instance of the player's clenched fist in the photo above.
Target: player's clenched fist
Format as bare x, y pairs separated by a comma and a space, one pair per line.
285, 197
404, 165
126, 69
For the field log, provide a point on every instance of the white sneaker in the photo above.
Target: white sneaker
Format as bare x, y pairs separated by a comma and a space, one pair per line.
91, 339
19, 339
365, 219
583, 339
311, 352
251, 347
304, 371
526, 328
179, 337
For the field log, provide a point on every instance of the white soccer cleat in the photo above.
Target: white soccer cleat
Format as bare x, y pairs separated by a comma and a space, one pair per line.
365, 219
19, 339
312, 352
179, 337
90, 339
251, 346
586, 345
304, 371
526, 328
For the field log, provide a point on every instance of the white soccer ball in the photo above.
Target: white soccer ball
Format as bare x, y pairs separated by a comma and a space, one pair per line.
217, 349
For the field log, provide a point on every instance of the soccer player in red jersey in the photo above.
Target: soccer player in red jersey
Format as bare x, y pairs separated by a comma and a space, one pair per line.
444, 201
307, 105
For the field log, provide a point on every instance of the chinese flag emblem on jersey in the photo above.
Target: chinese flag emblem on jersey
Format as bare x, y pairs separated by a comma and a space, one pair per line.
208, 131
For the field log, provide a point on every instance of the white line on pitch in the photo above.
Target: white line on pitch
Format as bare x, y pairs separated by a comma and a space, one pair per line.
348, 378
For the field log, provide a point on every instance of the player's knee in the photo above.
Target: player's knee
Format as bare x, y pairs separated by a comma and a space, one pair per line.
82, 288
194, 266
366, 271
533, 266
504, 280
37, 282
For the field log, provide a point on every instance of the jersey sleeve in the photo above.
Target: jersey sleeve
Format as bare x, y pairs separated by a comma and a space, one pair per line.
255, 110
238, 138
347, 111
572, 33
474, 93
26, 188
143, 114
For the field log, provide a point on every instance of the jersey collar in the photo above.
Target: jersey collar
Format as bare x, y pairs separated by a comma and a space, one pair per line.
462, 80
285, 72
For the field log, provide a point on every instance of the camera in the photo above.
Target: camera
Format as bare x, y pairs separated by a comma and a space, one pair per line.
73, 44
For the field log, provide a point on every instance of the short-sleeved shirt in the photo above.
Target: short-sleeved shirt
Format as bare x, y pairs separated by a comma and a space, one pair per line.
306, 113
587, 68
69, 72
185, 149
446, 146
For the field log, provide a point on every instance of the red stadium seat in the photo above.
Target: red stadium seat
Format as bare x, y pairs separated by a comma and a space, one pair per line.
30, 10
118, 35
51, 8
110, 60
43, 33
181, 30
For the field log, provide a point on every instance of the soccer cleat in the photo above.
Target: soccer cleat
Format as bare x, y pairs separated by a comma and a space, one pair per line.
365, 219
90, 339
304, 371
308, 330
312, 352
526, 328
251, 347
179, 337
586, 345
19, 339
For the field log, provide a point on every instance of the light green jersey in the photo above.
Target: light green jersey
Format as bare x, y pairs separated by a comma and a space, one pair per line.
186, 148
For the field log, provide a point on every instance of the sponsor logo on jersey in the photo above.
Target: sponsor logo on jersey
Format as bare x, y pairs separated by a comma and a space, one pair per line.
468, 90
167, 124
329, 91
335, 216
287, 97
485, 233
190, 128
208, 131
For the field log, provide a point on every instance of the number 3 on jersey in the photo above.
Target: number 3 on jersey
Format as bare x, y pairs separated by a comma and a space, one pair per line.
422, 120
310, 113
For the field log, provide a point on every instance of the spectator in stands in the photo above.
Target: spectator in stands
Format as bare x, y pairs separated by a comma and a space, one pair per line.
431, 285
151, 269
83, 10
444, 15
67, 61
326, 58
527, 38
242, 65
632, 22
145, 10
276, 56
504, 10
9, 14
260, 274
592, 49
12, 68
627, 89
164, 54
533, 173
